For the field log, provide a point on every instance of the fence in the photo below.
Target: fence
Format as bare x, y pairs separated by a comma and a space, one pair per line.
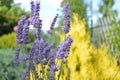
107, 31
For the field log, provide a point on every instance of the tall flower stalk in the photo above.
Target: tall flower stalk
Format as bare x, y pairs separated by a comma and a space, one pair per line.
41, 54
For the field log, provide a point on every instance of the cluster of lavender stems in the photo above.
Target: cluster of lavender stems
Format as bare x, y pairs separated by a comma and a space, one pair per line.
41, 53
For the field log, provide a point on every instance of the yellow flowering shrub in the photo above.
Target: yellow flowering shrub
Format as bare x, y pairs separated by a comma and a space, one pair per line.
85, 61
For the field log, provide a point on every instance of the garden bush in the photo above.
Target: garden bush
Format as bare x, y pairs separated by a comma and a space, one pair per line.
8, 41
85, 61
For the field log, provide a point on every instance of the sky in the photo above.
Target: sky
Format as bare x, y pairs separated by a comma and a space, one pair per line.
49, 8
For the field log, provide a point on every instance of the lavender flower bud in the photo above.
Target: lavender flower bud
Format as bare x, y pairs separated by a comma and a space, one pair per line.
66, 26
64, 48
17, 56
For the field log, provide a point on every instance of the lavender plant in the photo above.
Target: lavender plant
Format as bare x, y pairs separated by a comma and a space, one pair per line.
41, 53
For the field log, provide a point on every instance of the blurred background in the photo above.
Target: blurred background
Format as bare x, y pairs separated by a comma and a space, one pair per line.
102, 18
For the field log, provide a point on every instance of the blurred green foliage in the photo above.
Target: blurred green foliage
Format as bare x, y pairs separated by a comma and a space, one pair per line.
53, 38
7, 69
9, 17
113, 37
79, 7
106, 8
6, 3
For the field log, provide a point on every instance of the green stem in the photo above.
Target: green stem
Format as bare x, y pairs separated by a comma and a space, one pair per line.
60, 70
68, 76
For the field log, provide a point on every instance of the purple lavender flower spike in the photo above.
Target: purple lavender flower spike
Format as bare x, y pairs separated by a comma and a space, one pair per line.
36, 14
20, 29
66, 26
32, 51
17, 56
22, 21
32, 12
35, 51
25, 32
53, 24
37, 56
47, 50
64, 48
42, 44
22, 32
34, 17
37, 9
52, 65
39, 26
